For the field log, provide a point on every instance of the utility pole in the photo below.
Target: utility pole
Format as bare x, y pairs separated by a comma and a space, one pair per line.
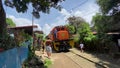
32, 25
32, 30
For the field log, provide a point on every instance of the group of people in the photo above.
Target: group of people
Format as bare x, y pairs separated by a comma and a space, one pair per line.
45, 46
41, 44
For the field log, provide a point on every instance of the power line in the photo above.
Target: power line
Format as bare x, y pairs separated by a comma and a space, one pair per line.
89, 13
71, 10
79, 5
84, 15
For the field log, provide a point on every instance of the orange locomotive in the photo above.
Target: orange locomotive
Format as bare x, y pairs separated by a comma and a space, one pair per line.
61, 38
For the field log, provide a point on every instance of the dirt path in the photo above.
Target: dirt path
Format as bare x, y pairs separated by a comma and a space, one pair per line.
71, 60
60, 60
81, 61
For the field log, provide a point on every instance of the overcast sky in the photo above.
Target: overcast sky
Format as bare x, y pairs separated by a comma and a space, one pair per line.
83, 8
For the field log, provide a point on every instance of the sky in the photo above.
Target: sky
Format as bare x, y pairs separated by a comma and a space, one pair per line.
83, 8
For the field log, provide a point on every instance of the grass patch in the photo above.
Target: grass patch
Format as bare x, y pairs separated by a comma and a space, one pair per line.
47, 63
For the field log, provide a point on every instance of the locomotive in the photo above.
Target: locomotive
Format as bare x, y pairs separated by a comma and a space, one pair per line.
60, 37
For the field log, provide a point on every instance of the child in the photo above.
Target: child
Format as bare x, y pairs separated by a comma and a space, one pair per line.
81, 46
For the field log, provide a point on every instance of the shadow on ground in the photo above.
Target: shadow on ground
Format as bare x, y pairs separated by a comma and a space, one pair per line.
110, 60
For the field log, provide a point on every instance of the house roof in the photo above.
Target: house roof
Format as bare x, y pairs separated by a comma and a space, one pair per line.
108, 33
27, 29
40, 32
23, 27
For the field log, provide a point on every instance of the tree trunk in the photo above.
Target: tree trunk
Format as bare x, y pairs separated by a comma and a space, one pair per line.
3, 25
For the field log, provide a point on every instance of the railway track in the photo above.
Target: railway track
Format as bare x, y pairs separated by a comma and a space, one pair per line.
82, 61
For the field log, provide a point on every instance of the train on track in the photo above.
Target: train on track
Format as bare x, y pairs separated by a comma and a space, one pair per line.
60, 37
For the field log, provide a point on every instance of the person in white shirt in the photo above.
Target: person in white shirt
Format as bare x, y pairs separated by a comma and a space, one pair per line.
81, 47
48, 48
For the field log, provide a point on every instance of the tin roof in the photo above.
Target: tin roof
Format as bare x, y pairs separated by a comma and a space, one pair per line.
27, 29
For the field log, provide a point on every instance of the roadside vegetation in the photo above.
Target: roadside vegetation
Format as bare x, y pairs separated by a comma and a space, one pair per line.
39, 6
9, 39
107, 20
96, 37
22, 6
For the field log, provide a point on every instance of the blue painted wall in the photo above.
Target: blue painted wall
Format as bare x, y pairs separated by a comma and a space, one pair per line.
13, 58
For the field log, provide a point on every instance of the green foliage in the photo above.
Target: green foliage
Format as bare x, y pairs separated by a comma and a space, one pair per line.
10, 23
31, 52
110, 14
21, 37
41, 36
83, 29
38, 5
71, 29
106, 21
76, 40
47, 63
34, 62
102, 23
7, 43
22, 6
86, 35
76, 22
26, 36
107, 5
3, 37
85, 32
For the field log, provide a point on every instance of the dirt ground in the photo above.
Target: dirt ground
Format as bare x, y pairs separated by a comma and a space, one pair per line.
69, 60
62, 61
59, 60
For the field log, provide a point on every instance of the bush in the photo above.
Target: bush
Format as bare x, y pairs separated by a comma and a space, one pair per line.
47, 63
7, 43
34, 62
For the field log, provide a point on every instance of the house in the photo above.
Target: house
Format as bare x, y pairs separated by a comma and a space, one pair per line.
27, 29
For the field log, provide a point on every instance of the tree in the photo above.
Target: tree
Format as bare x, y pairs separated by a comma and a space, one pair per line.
110, 15
75, 21
109, 5
102, 23
71, 29
3, 24
108, 20
82, 28
22, 6
85, 32
10, 23
111, 9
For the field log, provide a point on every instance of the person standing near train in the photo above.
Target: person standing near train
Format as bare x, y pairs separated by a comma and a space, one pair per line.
48, 48
55, 33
